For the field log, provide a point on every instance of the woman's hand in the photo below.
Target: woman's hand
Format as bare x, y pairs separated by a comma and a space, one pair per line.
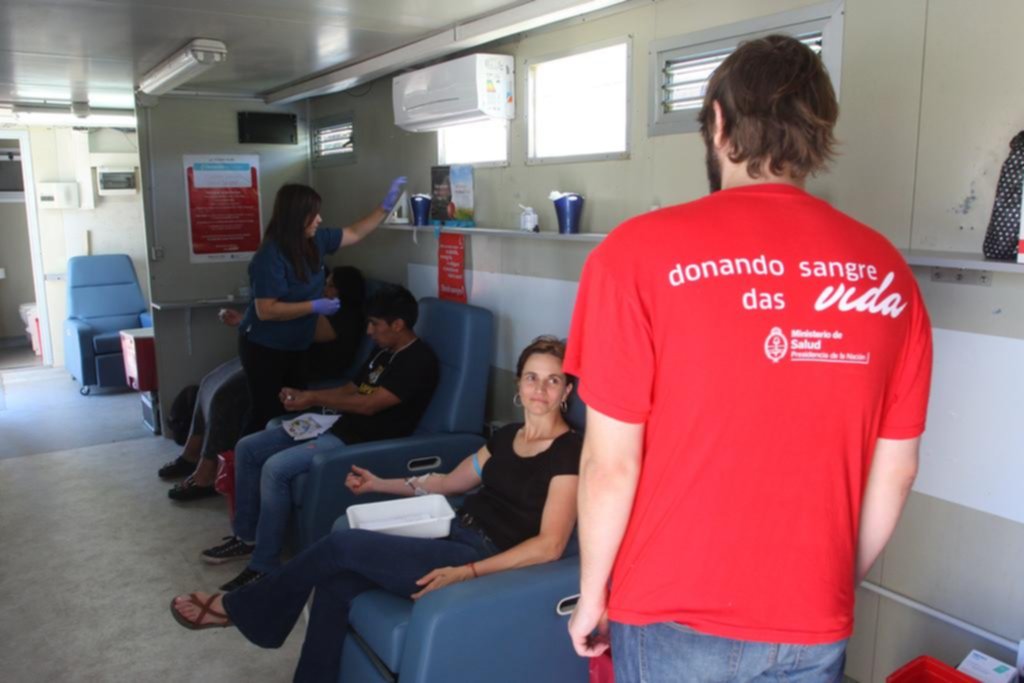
394, 192
294, 400
325, 306
360, 481
230, 317
439, 578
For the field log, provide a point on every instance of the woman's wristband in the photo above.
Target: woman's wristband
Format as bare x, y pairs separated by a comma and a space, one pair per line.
472, 568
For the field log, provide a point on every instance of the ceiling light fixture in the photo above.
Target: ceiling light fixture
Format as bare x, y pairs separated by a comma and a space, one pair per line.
185, 64
73, 116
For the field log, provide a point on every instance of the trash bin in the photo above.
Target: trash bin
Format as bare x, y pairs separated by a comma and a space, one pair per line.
139, 358
926, 669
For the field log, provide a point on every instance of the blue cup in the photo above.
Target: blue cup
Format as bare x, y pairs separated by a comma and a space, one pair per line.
569, 209
420, 209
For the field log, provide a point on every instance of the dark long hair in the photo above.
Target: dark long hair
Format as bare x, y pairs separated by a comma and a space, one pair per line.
294, 206
351, 286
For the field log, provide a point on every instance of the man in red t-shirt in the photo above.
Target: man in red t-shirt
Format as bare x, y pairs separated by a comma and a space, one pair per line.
756, 366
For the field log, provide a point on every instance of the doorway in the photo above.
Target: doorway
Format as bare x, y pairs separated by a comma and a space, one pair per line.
24, 326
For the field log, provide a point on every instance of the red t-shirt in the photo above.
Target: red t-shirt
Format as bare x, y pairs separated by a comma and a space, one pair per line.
767, 341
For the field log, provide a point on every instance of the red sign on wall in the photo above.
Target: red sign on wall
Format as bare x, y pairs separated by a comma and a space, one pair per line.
451, 267
223, 207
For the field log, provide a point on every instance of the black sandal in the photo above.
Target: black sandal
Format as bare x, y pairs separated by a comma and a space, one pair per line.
189, 490
179, 467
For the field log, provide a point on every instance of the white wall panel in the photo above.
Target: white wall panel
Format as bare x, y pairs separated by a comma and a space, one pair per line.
973, 448
523, 306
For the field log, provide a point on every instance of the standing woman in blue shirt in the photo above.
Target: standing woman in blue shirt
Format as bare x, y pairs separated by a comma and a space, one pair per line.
287, 280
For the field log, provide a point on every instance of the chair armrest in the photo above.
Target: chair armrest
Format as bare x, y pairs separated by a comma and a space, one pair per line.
326, 498
499, 628
78, 353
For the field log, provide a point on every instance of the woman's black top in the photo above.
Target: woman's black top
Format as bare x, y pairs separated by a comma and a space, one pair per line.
510, 505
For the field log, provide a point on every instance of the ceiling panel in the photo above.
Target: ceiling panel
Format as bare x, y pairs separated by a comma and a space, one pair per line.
102, 47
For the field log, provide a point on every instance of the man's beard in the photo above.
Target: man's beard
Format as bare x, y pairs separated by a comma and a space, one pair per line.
714, 168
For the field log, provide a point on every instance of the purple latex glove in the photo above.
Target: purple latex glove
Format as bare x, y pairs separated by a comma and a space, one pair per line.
394, 192
326, 306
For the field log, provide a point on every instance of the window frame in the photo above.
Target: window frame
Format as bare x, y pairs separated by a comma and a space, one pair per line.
530, 117
826, 17
479, 164
346, 159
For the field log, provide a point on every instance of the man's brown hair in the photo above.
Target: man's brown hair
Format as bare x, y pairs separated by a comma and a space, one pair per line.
778, 107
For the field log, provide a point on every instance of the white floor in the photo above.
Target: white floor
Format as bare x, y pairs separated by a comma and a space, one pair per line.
92, 550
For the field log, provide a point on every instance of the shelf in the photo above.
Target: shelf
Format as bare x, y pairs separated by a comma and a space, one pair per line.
498, 232
198, 303
959, 259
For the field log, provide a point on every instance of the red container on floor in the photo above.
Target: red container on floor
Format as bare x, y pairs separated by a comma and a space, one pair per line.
139, 358
928, 670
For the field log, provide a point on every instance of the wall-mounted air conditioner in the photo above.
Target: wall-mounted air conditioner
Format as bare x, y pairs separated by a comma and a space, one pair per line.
465, 90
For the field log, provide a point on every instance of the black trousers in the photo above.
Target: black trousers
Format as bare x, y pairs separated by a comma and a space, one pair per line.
267, 371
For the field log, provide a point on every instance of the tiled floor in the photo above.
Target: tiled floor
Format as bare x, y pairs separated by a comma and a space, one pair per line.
92, 550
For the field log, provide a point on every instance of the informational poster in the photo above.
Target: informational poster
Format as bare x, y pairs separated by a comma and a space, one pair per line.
451, 196
223, 197
451, 267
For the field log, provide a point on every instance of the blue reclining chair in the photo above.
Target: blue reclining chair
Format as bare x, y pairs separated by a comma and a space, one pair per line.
103, 298
462, 337
508, 627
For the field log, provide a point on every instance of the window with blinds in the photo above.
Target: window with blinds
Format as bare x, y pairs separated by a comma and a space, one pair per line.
334, 142
685, 79
683, 65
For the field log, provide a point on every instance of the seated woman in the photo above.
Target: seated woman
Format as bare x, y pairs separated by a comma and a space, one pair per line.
524, 514
223, 399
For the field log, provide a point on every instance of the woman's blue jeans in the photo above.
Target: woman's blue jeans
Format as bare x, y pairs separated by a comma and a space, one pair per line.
265, 465
340, 566
667, 652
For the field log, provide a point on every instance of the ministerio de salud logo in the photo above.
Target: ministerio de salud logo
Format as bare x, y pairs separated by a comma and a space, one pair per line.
776, 345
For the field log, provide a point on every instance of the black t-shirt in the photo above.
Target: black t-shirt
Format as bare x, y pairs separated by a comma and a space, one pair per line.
510, 505
330, 360
410, 374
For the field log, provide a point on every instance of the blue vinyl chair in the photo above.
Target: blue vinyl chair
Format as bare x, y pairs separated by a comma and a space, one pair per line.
462, 337
103, 298
507, 627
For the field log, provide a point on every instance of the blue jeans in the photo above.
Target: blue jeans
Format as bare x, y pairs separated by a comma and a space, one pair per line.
659, 653
265, 464
340, 566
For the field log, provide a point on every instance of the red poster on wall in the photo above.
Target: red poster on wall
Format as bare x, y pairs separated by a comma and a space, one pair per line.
451, 267
223, 195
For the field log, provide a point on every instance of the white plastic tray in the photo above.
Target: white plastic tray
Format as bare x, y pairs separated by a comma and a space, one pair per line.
420, 517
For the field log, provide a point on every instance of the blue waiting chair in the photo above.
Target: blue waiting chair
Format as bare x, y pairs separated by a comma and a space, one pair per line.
103, 298
507, 627
462, 337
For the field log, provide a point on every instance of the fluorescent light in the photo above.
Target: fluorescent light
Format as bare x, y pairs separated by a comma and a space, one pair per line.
463, 36
185, 64
41, 115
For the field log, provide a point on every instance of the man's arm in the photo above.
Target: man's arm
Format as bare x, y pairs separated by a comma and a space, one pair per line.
609, 473
344, 399
892, 474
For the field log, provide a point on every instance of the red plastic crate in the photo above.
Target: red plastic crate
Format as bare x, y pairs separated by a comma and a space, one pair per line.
928, 670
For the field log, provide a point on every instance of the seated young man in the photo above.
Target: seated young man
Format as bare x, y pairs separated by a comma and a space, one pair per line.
389, 395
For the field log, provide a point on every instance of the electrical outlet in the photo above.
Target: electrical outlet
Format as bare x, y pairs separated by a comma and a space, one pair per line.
962, 276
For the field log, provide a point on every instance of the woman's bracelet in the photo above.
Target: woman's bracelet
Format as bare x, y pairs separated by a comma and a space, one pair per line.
472, 568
